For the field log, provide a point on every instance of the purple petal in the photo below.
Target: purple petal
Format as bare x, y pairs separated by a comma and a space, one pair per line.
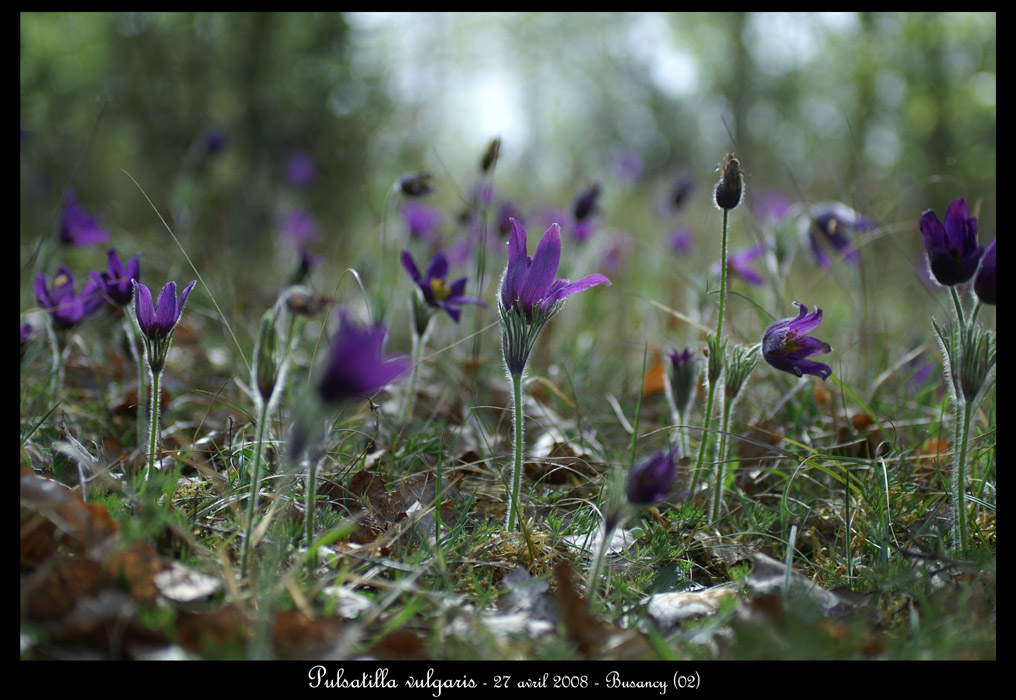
410, 265
543, 270
183, 298
575, 287
517, 242
165, 308
804, 322
438, 268
934, 232
143, 307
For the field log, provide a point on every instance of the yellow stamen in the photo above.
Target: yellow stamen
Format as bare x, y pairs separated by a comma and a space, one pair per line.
440, 289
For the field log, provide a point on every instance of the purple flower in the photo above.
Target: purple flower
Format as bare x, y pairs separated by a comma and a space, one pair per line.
422, 220
651, 481
737, 265
300, 228
952, 249
786, 346
683, 378
679, 191
627, 165
355, 366
831, 226
984, 283
116, 282
79, 228
413, 184
157, 321
681, 240
215, 140
301, 170
529, 282
436, 290
585, 203
65, 307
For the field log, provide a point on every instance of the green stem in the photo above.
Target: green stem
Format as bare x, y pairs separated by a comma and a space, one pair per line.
723, 276
255, 483
592, 584
309, 510
961, 540
721, 463
153, 426
704, 440
418, 342
513, 501
957, 305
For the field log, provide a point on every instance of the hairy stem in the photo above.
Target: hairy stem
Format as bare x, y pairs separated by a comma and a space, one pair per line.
517, 411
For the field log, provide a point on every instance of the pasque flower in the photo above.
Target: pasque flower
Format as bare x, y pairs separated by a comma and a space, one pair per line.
117, 281
649, 482
355, 366
158, 321
984, 283
831, 226
65, 307
77, 226
529, 283
738, 265
952, 249
786, 345
435, 288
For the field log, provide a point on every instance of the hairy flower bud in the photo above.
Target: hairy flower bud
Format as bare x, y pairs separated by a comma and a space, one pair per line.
730, 188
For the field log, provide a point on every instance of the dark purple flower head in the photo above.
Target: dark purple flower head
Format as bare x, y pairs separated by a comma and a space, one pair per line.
680, 191
952, 249
730, 188
355, 366
413, 184
529, 282
157, 321
585, 203
832, 226
116, 281
65, 307
436, 290
651, 481
786, 345
79, 228
301, 170
738, 265
984, 283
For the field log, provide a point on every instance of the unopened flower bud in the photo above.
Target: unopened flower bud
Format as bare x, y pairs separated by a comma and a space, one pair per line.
490, 157
414, 184
730, 188
266, 366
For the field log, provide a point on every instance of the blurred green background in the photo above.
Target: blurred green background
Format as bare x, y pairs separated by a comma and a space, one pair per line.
891, 113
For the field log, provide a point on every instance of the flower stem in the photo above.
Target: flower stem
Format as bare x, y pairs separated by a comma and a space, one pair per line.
132, 334
723, 276
519, 445
720, 476
153, 426
961, 540
418, 342
255, 483
592, 583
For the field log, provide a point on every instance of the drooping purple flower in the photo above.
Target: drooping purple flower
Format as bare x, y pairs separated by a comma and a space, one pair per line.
832, 226
65, 307
301, 170
116, 281
651, 481
158, 320
355, 366
79, 228
984, 282
436, 290
529, 282
952, 249
738, 265
786, 345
